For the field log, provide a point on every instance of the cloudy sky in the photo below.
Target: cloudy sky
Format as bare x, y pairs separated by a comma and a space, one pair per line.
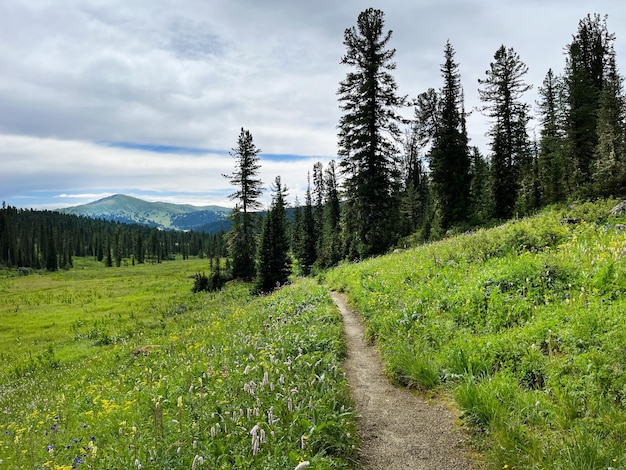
147, 97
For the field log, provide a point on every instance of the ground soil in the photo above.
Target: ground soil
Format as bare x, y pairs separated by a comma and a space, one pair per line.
399, 429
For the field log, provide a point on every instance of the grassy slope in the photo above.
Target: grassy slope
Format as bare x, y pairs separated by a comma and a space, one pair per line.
523, 324
111, 368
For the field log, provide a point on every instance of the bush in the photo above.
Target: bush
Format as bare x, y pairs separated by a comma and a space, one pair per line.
211, 283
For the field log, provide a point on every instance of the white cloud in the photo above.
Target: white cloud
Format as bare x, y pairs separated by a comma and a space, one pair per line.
94, 171
191, 73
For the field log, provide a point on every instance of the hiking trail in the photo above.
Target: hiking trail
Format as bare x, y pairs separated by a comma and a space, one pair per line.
399, 429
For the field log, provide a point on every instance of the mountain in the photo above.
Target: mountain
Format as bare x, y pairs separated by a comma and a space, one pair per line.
127, 209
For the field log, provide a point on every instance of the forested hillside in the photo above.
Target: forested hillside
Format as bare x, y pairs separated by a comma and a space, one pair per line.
401, 181
131, 210
50, 240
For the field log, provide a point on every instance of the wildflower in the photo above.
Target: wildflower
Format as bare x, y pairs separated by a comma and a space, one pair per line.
256, 439
180, 401
303, 440
197, 460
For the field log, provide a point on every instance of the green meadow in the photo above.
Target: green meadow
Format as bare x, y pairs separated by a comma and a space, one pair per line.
126, 368
523, 324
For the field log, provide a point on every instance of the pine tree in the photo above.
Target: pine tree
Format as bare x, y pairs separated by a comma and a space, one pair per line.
330, 251
108, 262
449, 156
242, 243
588, 57
609, 172
303, 239
502, 91
551, 161
273, 263
368, 131
415, 199
481, 187
297, 230
317, 197
52, 262
308, 236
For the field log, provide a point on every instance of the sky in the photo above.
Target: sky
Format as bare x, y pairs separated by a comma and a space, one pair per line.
147, 98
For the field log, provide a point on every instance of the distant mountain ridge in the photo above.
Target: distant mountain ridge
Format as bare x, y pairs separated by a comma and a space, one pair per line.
167, 216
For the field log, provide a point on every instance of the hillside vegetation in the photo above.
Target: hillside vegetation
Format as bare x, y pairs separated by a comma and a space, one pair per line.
523, 324
131, 210
127, 369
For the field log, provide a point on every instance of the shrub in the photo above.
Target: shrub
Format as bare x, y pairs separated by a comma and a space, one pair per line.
211, 283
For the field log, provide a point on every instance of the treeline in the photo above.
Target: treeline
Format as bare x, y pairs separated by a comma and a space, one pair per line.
50, 240
421, 178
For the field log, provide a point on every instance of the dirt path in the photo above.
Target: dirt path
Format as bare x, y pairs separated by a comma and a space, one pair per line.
399, 429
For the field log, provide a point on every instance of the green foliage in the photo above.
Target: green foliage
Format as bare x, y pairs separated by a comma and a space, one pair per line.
502, 92
211, 283
50, 240
368, 131
245, 178
449, 157
589, 76
128, 368
273, 262
522, 324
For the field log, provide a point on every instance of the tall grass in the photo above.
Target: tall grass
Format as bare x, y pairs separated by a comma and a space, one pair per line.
523, 324
126, 368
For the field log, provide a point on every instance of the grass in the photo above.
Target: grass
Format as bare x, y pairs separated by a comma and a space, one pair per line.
523, 324
126, 368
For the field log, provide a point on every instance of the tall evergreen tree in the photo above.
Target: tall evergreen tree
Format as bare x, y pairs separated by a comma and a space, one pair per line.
588, 58
330, 252
609, 172
317, 200
511, 157
415, 198
273, 262
368, 132
304, 246
242, 236
52, 262
449, 156
551, 160
481, 187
